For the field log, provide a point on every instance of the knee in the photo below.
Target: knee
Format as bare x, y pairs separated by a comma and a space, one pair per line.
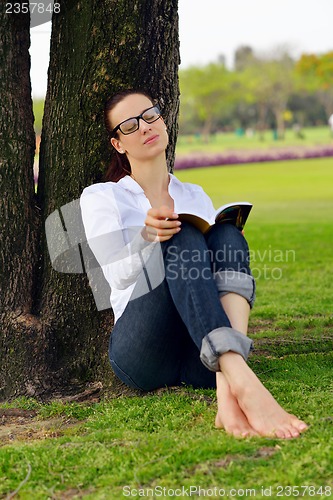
189, 237
227, 233
188, 230
229, 245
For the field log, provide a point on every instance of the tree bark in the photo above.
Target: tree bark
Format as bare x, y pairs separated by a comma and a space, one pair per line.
326, 99
278, 113
97, 48
20, 333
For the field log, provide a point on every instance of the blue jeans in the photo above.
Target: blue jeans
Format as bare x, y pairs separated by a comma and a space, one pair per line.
175, 333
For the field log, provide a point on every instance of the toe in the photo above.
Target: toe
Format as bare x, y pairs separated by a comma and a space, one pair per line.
299, 424
294, 432
302, 426
284, 433
279, 433
218, 422
249, 433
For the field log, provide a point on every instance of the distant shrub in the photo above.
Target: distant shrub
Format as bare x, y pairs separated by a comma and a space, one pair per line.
255, 157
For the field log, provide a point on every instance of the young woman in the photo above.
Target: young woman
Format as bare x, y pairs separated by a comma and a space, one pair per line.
181, 300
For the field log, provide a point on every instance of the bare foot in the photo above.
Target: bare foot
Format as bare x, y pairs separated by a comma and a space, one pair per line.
229, 415
262, 411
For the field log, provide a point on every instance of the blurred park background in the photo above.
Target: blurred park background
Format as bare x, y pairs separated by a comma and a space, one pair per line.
267, 107
256, 81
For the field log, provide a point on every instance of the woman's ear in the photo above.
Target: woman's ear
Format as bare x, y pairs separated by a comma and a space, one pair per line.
116, 144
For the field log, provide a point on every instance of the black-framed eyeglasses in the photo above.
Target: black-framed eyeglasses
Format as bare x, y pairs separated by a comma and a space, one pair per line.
149, 115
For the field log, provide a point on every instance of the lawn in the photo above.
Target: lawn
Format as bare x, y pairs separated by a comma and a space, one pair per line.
230, 141
165, 444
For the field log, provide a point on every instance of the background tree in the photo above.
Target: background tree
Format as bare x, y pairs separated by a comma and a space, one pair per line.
51, 333
254, 94
271, 81
261, 92
207, 94
316, 73
244, 57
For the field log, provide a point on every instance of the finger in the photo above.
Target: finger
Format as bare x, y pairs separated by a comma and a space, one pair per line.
150, 233
161, 223
162, 212
155, 234
164, 237
162, 232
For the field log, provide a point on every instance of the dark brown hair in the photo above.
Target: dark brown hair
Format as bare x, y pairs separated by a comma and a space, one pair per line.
119, 165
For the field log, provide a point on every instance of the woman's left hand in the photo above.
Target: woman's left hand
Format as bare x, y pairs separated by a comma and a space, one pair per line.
160, 224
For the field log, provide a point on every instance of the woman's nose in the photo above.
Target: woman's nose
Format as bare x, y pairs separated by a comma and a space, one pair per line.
143, 126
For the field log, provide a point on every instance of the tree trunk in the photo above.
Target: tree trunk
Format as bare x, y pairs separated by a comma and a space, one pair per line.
278, 113
261, 124
21, 339
326, 99
207, 128
97, 47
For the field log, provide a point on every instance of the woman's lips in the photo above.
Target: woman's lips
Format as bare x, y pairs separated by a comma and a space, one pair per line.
151, 139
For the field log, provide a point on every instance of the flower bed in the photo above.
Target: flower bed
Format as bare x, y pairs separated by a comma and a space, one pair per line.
197, 161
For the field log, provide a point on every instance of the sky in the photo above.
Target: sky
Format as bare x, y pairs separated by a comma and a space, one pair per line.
210, 28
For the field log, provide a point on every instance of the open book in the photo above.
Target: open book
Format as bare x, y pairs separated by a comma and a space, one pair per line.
232, 213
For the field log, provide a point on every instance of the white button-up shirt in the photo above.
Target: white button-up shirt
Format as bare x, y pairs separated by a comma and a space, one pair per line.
113, 215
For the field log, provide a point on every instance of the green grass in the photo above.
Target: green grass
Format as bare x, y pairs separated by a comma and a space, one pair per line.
289, 230
282, 191
38, 109
223, 142
168, 440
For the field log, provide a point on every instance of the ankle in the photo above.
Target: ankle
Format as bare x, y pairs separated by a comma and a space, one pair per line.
238, 374
230, 362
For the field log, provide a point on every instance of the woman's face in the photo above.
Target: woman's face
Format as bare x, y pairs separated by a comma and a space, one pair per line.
149, 141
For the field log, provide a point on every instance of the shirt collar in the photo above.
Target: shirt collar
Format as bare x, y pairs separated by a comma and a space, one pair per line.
127, 182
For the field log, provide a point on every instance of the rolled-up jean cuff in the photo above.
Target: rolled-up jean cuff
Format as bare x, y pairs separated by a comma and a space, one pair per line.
220, 341
236, 282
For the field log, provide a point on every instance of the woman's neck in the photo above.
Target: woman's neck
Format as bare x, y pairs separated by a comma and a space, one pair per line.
153, 177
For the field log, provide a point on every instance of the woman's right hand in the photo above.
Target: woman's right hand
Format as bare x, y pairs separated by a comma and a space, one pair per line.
161, 224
